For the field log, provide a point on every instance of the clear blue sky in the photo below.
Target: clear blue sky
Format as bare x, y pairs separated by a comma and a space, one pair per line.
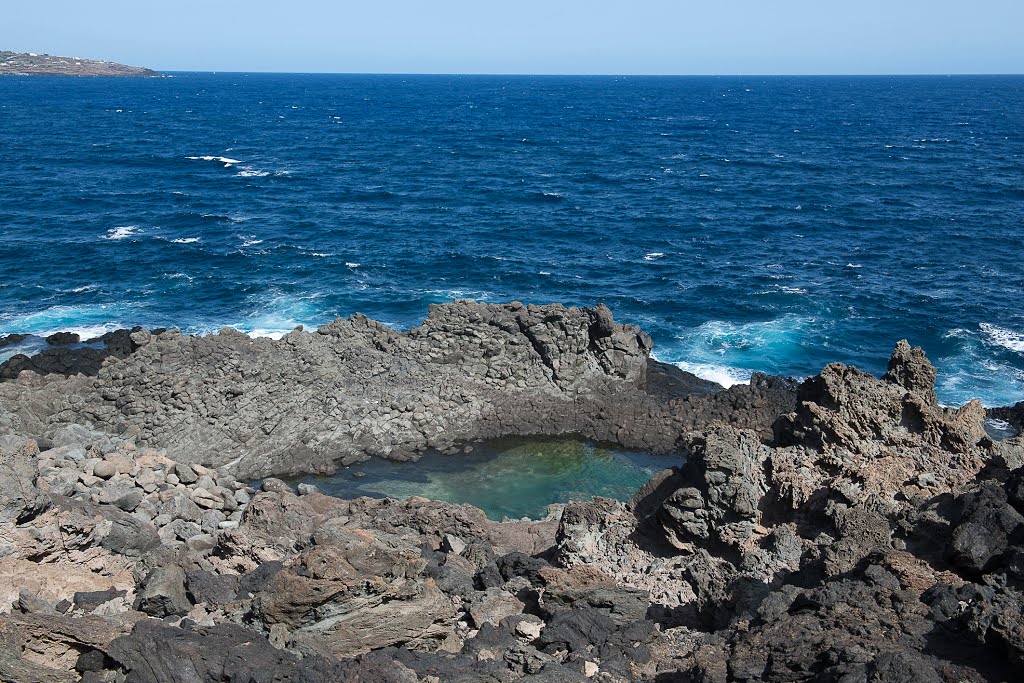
530, 36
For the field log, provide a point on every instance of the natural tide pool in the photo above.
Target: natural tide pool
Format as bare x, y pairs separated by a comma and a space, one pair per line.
510, 477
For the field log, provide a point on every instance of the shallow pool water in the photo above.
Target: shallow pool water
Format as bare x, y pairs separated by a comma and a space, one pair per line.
512, 477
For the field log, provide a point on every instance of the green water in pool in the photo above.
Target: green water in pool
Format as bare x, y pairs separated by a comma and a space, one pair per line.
512, 477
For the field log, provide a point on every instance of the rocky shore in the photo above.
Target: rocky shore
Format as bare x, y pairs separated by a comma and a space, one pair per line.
846, 528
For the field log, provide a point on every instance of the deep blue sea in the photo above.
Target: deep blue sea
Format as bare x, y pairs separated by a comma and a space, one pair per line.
748, 223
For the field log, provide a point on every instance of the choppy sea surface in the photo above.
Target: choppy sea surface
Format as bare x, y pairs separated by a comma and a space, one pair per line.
747, 223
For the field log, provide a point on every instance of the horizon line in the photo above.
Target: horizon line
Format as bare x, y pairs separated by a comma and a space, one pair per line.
586, 75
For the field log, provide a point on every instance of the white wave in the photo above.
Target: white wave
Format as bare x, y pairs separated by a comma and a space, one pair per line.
319, 254
792, 290
854, 265
271, 333
352, 264
1000, 336
720, 374
653, 256
85, 288
224, 160
544, 272
249, 240
248, 173
185, 240
452, 294
122, 232
87, 320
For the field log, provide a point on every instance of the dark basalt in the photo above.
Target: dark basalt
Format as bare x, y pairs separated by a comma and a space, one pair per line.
849, 529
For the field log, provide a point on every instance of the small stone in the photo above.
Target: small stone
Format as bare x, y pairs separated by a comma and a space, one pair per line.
104, 469
201, 543
307, 489
452, 544
205, 499
530, 629
163, 593
272, 485
186, 475
123, 498
590, 669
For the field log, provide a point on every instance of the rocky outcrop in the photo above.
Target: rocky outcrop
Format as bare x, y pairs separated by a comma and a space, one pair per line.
868, 534
876, 536
356, 389
65, 355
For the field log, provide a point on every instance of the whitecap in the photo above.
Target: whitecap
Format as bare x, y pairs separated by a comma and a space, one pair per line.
122, 232
352, 264
185, 240
1000, 336
247, 173
854, 265
249, 240
223, 160
320, 254
653, 256
452, 294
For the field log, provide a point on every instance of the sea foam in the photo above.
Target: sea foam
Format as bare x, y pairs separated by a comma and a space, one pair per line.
1000, 336
122, 232
223, 160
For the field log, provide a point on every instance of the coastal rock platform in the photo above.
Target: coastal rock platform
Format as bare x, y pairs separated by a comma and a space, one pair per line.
846, 528
356, 388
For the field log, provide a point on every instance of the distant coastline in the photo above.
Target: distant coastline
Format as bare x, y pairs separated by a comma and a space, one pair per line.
32, 64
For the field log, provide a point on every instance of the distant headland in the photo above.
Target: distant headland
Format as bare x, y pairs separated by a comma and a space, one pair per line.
32, 64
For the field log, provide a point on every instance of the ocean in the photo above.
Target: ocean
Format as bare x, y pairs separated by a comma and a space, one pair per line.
747, 223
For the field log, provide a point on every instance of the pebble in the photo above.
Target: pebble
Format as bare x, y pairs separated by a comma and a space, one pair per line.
104, 469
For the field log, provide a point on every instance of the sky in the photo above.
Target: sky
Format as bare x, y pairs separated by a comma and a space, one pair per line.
529, 36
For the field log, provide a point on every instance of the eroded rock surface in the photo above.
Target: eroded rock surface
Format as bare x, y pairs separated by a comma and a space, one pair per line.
356, 389
869, 534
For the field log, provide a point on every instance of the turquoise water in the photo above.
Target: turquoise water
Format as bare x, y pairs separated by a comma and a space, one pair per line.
512, 477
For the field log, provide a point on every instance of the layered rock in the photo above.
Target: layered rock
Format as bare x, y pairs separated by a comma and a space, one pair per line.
356, 389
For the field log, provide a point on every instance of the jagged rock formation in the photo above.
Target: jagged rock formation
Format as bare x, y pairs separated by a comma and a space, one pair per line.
872, 535
356, 389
